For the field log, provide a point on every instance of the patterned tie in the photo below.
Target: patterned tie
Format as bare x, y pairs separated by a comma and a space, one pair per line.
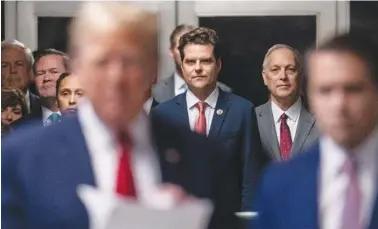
352, 207
200, 126
52, 119
125, 182
285, 138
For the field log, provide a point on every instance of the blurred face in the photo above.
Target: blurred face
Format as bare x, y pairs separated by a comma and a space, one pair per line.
48, 70
199, 67
11, 114
14, 69
342, 96
116, 71
69, 93
281, 75
175, 54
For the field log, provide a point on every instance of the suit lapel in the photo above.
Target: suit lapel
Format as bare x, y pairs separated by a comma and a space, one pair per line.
305, 124
182, 110
221, 110
269, 130
79, 159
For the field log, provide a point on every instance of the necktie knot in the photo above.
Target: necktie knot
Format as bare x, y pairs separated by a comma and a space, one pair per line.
201, 107
53, 118
350, 165
283, 117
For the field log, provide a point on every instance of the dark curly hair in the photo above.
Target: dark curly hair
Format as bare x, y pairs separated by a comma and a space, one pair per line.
12, 98
200, 36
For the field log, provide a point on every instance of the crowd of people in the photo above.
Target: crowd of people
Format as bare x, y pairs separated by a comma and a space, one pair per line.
99, 116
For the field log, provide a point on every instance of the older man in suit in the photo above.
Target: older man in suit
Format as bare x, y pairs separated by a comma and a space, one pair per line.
227, 120
333, 185
174, 85
109, 144
286, 126
16, 71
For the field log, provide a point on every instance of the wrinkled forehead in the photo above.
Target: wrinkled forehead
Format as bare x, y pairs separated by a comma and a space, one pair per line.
282, 56
12, 52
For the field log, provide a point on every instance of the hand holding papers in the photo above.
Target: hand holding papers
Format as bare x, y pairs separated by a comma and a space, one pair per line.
107, 211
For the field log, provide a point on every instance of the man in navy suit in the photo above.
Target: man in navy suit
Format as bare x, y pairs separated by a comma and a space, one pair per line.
334, 185
227, 120
109, 143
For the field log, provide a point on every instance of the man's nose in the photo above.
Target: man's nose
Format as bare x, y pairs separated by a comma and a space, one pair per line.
72, 100
12, 69
283, 74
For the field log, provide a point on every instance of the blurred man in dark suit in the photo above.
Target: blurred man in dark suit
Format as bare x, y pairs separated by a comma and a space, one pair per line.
16, 71
334, 183
109, 144
227, 120
174, 85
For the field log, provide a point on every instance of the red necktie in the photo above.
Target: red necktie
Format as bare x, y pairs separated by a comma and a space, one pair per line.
200, 126
285, 138
125, 182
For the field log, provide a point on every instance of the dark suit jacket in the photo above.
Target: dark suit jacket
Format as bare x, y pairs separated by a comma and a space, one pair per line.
234, 131
42, 167
165, 89
288, 194
35, 103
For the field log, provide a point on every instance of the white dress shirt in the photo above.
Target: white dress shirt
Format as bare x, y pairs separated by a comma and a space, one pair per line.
180, 84
105, 153
27, 100
333, 183
46, 114
148, 105
292, 113
193, 112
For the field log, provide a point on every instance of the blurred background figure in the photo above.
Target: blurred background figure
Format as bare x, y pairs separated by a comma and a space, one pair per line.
13, 107
334, 183
68, 93
169, 87
16, 71
47, 68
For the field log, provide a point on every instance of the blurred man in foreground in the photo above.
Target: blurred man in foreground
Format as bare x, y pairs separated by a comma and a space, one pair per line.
109, 143
333, 185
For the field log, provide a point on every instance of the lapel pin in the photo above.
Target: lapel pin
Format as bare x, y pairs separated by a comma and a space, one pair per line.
172, 156
219, 111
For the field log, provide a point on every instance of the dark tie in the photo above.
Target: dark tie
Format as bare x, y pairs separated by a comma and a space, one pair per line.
352, 208
125, 181
200, 126
285, 138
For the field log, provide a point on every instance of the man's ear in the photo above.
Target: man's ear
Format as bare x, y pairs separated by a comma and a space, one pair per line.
264, 75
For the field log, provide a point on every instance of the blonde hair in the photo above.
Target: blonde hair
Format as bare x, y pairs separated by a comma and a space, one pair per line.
102, 17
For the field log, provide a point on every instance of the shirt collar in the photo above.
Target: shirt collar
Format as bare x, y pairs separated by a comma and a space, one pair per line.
179, 81
147, 105
46, 113
95, 128
333, 156
292, 113
211, 100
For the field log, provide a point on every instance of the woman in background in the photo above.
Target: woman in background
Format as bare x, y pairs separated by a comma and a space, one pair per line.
13, 107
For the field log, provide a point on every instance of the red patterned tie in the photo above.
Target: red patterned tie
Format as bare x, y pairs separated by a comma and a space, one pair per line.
200, 126
125, 182
285, 138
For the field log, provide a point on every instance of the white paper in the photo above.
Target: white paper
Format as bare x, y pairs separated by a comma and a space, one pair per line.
107, 211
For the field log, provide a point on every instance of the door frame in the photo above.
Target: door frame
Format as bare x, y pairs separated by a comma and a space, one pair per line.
333, 17
22, 22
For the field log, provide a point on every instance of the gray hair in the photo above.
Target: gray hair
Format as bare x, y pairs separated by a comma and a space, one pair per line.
283, 46
16, 44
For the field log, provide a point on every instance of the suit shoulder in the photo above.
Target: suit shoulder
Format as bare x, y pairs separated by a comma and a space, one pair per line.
235, 99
